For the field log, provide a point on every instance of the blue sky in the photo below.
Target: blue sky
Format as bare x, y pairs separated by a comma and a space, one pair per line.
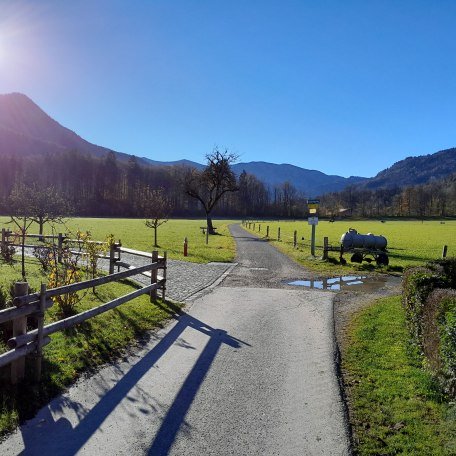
345, 87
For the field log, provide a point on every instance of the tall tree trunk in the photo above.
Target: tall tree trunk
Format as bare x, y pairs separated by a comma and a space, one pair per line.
210, 227
155, 236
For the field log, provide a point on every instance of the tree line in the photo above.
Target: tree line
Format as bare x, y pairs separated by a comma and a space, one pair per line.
93, 186
433, 199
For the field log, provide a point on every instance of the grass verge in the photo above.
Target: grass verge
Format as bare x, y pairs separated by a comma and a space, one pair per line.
394, 405
81, 349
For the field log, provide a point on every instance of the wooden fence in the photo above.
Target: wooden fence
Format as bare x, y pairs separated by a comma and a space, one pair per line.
24, 304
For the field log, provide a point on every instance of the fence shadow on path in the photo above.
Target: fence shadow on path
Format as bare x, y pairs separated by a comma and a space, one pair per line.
59, 437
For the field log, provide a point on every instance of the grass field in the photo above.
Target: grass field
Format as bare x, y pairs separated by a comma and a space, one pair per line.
394, 405
410, 242
135, 235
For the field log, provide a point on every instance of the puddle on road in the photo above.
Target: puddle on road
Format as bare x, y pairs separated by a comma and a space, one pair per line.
357, 283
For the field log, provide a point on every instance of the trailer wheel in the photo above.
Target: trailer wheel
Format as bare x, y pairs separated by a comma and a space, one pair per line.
357, 258
382, 259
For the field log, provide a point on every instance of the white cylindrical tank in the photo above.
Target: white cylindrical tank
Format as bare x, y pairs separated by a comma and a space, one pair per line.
352, 239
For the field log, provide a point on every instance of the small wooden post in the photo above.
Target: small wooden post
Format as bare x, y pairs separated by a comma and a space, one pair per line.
38, 355
259, 227
341, 255
19, 328
278, 234
254, 227
295, 239
325, 248
165, 266
60, 248
267, 231
119, 252
3, 245
185, 246
153, 277
444, 251
112, 258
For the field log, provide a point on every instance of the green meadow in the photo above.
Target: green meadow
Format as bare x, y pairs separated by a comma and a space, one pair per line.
134, 234
410, 242
395, 407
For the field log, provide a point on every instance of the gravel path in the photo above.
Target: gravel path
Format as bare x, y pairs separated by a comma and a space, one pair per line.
184, 279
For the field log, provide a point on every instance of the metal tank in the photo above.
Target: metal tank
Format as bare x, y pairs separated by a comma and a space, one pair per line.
352, 240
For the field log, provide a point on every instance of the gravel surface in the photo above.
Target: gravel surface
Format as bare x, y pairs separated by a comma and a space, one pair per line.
248, 369
184, 279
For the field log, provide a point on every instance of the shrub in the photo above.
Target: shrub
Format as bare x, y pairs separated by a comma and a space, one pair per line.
418, 283
7, 253
439, 337
429, 299
4, 295
447, 268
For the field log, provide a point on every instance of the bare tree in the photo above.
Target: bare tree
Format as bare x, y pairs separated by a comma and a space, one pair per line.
210, 184
157, 208
21, 216
47, 206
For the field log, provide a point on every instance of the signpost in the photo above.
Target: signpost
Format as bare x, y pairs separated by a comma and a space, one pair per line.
312, 206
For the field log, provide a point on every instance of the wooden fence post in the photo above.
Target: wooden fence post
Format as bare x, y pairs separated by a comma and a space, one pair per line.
19, 328
325, 248
112, 258
295, 238
254, 227
153, 277
119, 253
60, 248
278, 233
38, 355
444, 251
165, 259
267, 231
3, 245
259, 227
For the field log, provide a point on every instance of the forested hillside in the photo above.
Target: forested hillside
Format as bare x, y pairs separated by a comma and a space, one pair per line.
416, 170
108, 187
434, 199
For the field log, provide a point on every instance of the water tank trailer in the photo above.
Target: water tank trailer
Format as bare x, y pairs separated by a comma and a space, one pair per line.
364, 247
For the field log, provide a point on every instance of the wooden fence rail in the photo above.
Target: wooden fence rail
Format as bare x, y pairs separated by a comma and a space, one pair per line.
26, 304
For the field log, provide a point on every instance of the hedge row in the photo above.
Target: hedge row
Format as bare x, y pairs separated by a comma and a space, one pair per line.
429, 299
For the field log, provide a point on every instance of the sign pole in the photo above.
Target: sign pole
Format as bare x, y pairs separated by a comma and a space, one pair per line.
312, 245
312, 206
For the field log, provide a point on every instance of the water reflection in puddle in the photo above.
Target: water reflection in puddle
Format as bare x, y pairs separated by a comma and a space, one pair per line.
345, 282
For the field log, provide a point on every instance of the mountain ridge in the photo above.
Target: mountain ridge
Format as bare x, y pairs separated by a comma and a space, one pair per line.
25, 129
